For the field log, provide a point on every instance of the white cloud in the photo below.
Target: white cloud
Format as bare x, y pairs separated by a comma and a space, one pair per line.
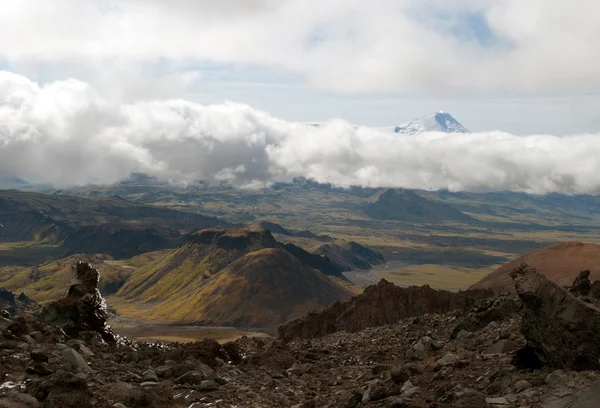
67, 133
342, 45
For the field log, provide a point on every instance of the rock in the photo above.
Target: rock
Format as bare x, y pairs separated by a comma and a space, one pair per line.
422, 349
562, 331
191, 377
374, 392
147, 384
165, 372
522, 385
582, 284
149, 375
83, 308
39, 356
496, 401
402, 374
74, 360
446, 360
364, 310
85, 351
409, 390
500, 347
208, 385
5, 323
354, 401
61, 390
485, 311
556, 377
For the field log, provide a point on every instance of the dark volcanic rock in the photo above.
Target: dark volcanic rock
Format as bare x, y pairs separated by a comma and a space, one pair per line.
560, 329
582, 284
384, 303
84, 308
488, 310
406, 205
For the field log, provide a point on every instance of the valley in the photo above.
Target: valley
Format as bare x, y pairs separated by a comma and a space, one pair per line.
162, 278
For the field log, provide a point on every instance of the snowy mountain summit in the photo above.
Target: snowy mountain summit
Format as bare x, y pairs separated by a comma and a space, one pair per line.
436, 122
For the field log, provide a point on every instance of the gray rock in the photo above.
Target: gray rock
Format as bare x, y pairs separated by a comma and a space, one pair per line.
149, 375
149, 384
409, 390
192, 377
422, 349
208, 385
522, 385
496, 401
446, 360
74, 360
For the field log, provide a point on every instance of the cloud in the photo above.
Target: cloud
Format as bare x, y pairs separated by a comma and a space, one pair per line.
66, 133
437, 46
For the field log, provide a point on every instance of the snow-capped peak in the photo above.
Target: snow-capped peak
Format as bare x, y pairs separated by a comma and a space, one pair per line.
436, 122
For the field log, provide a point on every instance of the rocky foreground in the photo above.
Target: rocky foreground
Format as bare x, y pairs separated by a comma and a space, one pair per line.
537, 349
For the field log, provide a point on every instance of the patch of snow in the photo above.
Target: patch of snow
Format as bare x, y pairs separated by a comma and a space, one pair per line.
436, 122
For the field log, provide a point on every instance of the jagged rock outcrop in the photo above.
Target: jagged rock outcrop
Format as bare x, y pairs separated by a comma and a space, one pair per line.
13, 304
384, 303
562, 330
582, 284
561, 263
83, 308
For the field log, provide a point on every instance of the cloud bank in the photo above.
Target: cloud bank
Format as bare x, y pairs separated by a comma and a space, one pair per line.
66, 133
464, 46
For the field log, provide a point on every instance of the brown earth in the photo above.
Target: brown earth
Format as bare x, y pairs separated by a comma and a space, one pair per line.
560, 263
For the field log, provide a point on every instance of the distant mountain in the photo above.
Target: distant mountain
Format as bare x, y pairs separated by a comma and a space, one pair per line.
436, 122
561, 263
113, 226
232, 277
406, 205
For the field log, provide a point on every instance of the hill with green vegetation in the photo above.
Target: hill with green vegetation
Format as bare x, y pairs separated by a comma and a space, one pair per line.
239, 277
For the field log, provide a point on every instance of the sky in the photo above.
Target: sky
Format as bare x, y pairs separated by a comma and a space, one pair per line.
153, 85
518, 66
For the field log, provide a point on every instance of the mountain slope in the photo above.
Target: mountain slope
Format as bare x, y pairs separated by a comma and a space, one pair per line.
350, 255
261, 289
85, 225
436, 122
406, 205
204, 254
240, 277
560, 263
380, 304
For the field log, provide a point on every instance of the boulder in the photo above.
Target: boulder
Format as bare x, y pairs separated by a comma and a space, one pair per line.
83, 308
560, 329
422, 349
73, 359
